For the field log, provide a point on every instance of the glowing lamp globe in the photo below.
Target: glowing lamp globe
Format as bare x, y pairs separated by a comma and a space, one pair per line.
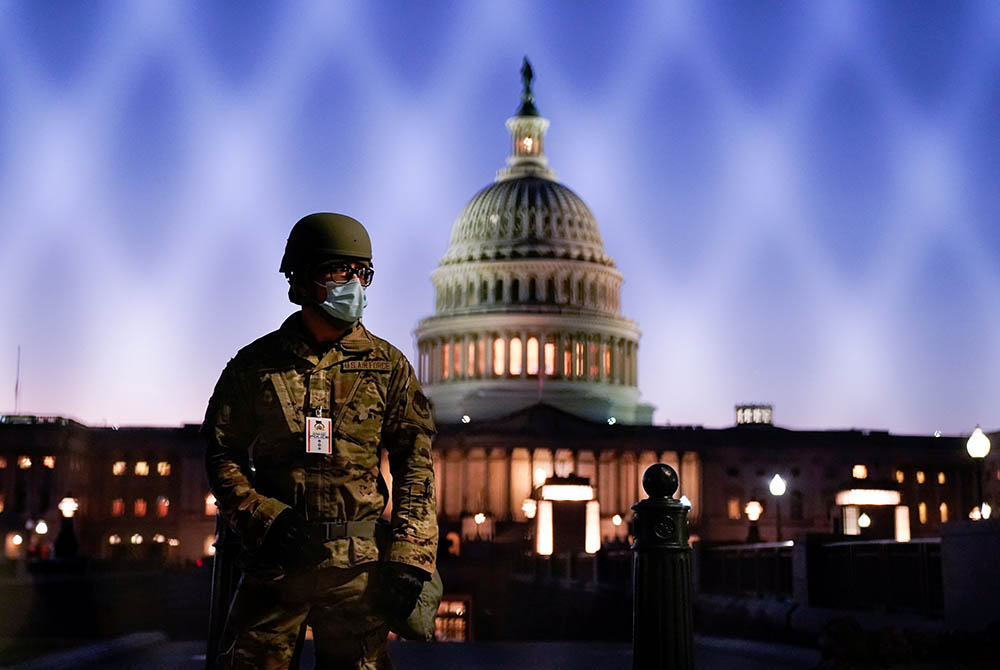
978, 444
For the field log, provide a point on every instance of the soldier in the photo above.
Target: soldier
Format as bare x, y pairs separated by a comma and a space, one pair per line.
295, 429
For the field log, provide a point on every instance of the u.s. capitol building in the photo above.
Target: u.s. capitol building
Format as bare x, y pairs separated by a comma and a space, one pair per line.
528, 305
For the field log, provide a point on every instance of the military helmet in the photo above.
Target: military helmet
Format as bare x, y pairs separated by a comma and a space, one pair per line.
317, 237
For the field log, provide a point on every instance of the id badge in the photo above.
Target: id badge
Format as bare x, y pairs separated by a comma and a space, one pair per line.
318, 435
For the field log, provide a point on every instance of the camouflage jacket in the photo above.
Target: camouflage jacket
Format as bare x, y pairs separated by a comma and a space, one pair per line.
256, 448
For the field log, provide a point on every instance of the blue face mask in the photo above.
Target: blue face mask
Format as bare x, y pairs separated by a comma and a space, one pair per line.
345, 302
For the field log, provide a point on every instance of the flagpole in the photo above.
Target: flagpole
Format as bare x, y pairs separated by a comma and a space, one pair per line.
17, 383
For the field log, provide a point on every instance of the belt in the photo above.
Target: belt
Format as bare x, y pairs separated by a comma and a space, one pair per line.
332, 530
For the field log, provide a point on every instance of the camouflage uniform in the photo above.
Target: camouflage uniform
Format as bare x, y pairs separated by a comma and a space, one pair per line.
258, 467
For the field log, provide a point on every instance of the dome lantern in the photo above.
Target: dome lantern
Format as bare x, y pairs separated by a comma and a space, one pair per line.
527, 130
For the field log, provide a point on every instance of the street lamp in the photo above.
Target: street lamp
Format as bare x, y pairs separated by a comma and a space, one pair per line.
480, 518
753, 510
978, 447
777, 489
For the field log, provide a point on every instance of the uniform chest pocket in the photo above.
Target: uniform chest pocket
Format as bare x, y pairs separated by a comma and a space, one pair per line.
360, 415
277, 405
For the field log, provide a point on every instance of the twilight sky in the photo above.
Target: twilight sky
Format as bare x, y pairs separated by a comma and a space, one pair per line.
804, 197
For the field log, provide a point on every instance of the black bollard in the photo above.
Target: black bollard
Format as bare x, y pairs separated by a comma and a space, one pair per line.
661, 577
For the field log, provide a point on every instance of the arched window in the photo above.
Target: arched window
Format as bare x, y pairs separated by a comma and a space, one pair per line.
578, 371
471, 360
566, 298
550, 358
483, 290
594, 366
470, 293
532, 290
606, 349
593, 294
447, 297
515, 290
515, 355
498, 356
531, 367
498, 291
550, 290
445, 360
579, 292
943, 509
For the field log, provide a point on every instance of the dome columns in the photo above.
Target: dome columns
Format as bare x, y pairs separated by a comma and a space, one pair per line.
591, 287
526, 353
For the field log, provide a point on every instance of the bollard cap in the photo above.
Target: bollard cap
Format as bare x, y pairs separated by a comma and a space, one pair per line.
659, 481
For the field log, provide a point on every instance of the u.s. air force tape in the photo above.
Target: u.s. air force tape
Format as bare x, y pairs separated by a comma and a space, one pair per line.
367, 366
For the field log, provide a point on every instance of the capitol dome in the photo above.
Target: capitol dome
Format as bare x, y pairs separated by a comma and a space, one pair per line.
527, 304
526, 217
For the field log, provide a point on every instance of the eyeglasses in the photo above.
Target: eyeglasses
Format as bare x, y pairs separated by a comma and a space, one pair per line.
341, 273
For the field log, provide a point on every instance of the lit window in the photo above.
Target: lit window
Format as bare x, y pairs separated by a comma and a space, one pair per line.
532, 367
922, 512
482, 358
136, 539
527, 144
1, 503
49, 462
174, 542
118, 507
593, 360
210, 507
550, 358
920, 477
515, 356
943, 508
114, 539
445, 360
733, 505
162, 505
941, 478
142, 468
457, 350
24, 462
3, 463
900, 477
210, 545
579, 359
607, 362
163, 468
139, 507
860, 472
499, 362
159, 538
567, 359
118, 468
471, 367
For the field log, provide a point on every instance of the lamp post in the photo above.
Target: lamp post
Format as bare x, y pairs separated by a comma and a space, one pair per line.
753, 510
978, 447
66, 542
777, 489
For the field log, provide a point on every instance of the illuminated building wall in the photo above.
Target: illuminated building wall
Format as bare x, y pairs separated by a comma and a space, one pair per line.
491, 467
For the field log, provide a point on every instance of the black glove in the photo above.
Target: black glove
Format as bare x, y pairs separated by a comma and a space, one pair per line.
288, 544
398, 590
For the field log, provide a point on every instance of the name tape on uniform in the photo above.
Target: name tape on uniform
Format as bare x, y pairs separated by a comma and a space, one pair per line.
367, 366
318, 435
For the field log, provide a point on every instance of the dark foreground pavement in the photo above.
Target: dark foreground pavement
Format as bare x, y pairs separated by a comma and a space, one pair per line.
712, 654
